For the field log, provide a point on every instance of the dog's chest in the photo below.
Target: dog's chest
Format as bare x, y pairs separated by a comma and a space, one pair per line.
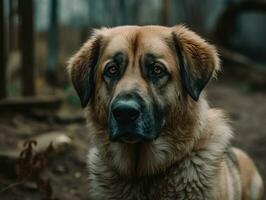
190, 180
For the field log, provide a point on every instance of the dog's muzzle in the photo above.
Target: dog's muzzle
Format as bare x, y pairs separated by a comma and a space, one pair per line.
130, 121
126, 111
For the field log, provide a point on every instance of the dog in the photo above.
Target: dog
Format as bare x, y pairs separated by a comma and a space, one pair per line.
153, 134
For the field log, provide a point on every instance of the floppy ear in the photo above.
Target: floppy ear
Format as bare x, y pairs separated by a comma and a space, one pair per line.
82, 69
198, 60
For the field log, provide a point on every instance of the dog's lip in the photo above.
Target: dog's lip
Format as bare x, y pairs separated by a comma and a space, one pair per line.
130, 139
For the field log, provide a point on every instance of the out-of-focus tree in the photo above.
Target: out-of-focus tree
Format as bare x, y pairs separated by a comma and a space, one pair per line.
53, 44
27, 46
3, 52
12, 24
166, 5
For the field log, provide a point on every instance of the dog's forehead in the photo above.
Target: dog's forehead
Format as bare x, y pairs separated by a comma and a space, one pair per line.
136, 38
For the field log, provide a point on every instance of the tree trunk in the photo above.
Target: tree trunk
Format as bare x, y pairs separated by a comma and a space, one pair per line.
3, 53
53, 45
12, 34
27, 46
166, 5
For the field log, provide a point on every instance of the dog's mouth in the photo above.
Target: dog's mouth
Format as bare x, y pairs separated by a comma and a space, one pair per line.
129, 139
142, 130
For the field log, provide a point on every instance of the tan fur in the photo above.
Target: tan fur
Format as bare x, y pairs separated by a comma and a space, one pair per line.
251, 182
189, 160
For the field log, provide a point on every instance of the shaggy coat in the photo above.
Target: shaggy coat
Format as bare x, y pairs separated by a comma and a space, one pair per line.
191, 158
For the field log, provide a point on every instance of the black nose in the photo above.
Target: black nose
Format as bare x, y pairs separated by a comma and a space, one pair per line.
126, 110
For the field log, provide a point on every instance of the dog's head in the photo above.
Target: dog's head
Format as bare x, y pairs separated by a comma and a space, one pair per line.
142, 84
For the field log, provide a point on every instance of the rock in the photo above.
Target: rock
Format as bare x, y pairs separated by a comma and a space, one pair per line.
30, 185
8, 158
77, 175
60, 169
59, 140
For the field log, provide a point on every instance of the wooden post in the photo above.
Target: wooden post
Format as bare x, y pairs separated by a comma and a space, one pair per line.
2, 52
124, 13
27, 46
166, 5
12, 33
53, 44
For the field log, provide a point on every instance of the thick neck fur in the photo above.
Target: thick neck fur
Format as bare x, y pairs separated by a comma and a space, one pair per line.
184, 164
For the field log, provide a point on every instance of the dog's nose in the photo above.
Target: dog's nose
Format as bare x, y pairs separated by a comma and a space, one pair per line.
126, 111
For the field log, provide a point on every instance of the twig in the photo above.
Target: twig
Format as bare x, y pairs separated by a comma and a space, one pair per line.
11, 186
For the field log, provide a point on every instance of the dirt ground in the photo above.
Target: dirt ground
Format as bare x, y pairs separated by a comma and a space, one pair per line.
67, 168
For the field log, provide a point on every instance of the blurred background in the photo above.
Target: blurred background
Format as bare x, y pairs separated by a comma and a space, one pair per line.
38, 103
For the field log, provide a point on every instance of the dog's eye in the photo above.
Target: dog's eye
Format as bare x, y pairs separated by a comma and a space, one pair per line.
157, 69
111, 69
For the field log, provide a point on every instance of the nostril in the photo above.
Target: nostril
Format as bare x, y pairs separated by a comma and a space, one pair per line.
125, 112
133, 113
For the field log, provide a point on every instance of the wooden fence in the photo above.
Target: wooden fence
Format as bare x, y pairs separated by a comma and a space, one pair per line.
25, 11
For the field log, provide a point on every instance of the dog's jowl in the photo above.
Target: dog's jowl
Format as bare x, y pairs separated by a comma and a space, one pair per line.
154, 135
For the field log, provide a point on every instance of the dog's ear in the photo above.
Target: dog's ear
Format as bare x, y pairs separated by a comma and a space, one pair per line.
82, 66
198, 60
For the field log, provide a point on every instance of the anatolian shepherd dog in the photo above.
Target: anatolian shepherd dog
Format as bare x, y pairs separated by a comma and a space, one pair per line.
154, 135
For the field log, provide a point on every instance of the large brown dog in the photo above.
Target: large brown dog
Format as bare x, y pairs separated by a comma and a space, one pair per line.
154, 135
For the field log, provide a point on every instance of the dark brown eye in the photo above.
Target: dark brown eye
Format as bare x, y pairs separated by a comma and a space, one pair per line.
157, 69
112, 69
